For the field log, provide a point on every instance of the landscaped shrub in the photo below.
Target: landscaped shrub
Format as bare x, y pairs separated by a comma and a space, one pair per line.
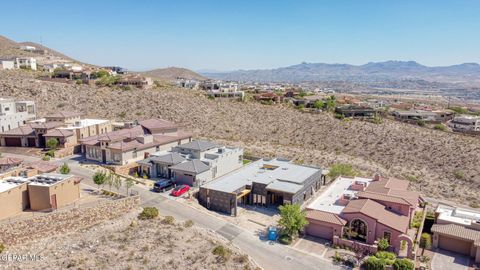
148, 213
426, 241
222, 253
387, 257
403, 264
337, 258
46, 158
417, 220
285, 239
374, 263
383, 244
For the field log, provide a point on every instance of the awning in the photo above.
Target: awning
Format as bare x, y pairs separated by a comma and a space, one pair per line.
243, 193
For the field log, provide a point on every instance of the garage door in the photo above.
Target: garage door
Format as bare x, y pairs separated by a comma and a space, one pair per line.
320, 231
13, 142
455, 245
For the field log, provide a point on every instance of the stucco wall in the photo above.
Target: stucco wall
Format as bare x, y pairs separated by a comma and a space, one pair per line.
13, 201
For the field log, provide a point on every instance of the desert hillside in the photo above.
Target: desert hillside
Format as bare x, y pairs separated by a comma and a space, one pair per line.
171, 73
439, 164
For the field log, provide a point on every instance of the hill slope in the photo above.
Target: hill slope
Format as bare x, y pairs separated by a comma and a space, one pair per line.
371, 72
172, 73
439, 164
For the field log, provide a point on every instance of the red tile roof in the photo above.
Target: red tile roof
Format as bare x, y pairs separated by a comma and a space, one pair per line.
43, 166
458, 231
325, 217
9, 161
390, 190
378, 212
59, 133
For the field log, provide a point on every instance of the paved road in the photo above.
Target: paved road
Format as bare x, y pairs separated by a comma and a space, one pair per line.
267, 255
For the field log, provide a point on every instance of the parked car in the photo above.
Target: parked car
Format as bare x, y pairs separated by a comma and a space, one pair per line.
179, 190
163, 185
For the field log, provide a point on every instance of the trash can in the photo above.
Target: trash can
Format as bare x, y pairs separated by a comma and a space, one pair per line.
272, 233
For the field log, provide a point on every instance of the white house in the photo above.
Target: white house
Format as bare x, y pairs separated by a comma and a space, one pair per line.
14, 114
26, 62
6, 64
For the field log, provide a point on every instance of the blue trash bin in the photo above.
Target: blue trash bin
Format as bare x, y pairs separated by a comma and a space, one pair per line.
272, 233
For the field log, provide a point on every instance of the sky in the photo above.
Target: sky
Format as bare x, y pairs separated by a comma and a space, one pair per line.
248, 34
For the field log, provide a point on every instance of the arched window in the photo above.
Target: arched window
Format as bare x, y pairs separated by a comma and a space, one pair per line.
358, 230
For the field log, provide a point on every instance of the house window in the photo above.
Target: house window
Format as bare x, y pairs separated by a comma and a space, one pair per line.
358, 230
387, 235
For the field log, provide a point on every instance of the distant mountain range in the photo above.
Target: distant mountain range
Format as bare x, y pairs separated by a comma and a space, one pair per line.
371, 72
171, 73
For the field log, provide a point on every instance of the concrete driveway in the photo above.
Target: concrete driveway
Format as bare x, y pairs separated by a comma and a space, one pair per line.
312, 245
446, 260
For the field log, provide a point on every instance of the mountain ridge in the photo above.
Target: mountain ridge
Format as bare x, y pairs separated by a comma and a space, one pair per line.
371, 71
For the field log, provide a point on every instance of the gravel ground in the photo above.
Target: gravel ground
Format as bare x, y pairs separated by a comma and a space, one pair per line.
440, 164
128, 243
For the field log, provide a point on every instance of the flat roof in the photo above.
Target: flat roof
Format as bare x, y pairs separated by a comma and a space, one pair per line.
11, 182
457, 215
48, 179
85, 123
277, 174
327, 200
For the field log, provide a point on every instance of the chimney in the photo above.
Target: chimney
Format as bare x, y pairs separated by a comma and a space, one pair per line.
376, 177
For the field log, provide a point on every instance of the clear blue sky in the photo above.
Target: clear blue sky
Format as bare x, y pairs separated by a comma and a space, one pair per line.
248, 34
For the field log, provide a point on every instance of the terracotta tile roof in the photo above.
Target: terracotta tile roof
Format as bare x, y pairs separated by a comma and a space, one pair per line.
390, 190
457, 231
47, 125
59, 133
10, 161
325, 217
378, 212
157, 124
43, 166
20, 131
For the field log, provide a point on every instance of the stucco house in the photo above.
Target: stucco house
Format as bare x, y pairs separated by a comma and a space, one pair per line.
193, 163
457, 229
265, 182
363, 210
133, 143
65, 126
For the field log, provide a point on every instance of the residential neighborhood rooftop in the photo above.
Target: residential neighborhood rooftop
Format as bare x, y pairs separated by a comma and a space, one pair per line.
278, 174
461, 216
327, 201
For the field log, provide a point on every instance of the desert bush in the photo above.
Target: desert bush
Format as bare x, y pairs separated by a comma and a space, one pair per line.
341, 169
337, 258
188, 223
2, 247
440, 127
403, 264
46, 158
148, 213
169, 220
222, 253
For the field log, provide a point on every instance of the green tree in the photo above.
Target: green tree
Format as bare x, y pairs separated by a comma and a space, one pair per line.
102, 73
331, 103
129, 183
292, 219
52, 143
383, 244
341, 169
403, 264
99, 178
109, 178
64, 169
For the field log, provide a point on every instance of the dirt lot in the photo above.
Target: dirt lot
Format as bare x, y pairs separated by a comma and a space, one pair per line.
127, 243
439, 164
